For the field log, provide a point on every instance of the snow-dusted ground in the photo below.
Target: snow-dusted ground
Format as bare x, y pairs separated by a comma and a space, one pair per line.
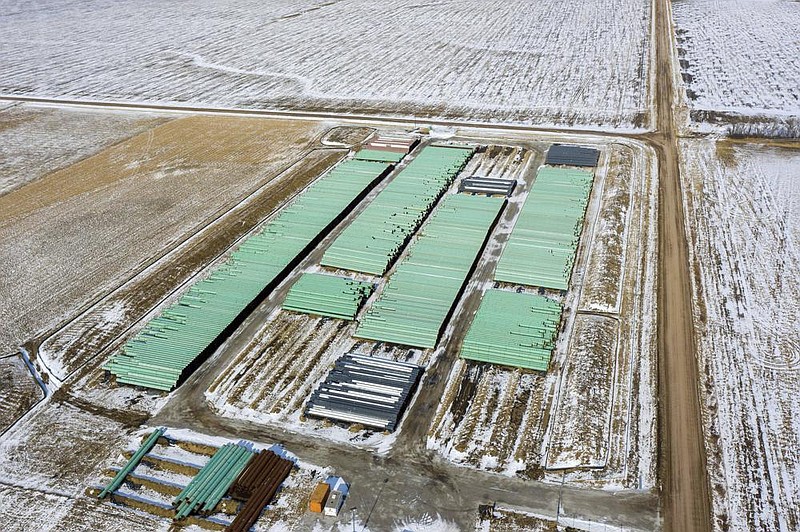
18, 390
740, 56
743, 219
37, 140
580, 62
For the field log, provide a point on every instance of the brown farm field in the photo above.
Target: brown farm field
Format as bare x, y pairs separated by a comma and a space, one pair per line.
74, 235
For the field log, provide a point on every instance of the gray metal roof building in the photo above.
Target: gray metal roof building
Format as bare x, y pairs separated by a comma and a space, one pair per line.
562, 154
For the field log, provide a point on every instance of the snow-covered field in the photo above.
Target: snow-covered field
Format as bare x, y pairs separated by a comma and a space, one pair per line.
582, 417
740, 56
743, 219
57, 449
35, 141
580, 62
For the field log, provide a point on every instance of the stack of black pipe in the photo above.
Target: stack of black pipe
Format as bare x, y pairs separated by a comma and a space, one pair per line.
257, 484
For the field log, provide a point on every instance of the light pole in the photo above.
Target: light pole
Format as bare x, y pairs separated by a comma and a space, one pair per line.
353, 517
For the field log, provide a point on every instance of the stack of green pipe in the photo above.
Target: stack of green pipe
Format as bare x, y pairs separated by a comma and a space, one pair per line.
378, 235
381, 156
208, 487
542, 246
159, 354
419, 295
132, 463
327, 295
513, 329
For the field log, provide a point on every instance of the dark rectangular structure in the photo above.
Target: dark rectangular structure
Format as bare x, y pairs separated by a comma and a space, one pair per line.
563, 154
367, 390
487, 185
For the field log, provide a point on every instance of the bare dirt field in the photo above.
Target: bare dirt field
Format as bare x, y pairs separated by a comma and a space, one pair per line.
35, 141
743, 206
135, 201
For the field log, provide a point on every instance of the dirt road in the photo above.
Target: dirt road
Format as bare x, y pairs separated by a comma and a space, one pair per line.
682, 459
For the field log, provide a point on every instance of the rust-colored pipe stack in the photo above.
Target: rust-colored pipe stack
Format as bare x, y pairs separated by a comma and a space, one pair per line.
257, 485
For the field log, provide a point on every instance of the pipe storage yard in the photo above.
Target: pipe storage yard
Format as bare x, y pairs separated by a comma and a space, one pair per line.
158, 357
258, 484
327, 295
420, 294
541, 248
513, 329
212, 482
378, 235
371, 391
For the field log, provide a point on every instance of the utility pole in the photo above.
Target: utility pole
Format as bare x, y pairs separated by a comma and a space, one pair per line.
353, 517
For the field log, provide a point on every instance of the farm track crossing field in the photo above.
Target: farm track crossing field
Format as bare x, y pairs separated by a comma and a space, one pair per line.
743, 219
580, 63
86, 228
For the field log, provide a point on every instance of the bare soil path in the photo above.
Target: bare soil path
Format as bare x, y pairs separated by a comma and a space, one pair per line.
682, 459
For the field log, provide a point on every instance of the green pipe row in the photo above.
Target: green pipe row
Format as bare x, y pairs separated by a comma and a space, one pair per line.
542, 246
327, 295
377, 236
419, 295
212, 482
513, 329
117, 481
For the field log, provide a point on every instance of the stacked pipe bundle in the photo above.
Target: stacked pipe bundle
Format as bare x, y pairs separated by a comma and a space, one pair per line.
212, 482
400, 143
487, 185
380, 232
420, 294
327, 295
541, 248
117, 481
167, 348
366, 390
513, 329
381, 156
257, 485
